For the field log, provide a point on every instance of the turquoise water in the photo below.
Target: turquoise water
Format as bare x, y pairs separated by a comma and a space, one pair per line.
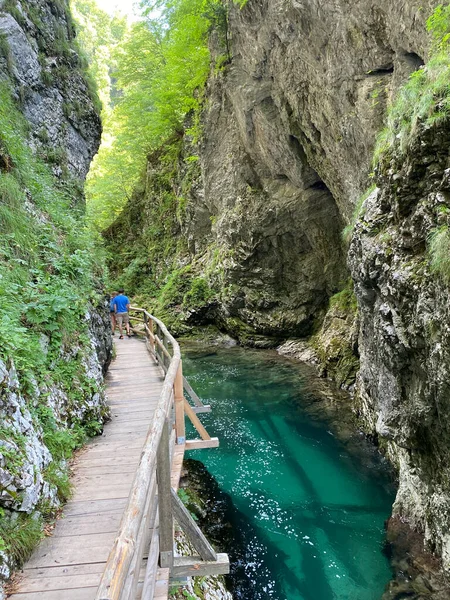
307, 506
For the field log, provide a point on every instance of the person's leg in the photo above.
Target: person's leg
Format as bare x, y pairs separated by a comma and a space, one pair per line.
113, 322
127, 324
119, 322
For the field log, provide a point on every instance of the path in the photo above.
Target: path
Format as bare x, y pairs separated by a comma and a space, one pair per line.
68, 565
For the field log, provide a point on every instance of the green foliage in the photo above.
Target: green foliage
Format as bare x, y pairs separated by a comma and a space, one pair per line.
425, 98
49, 270
199, 293
439, 250
98, 34
5, 51
59, 478
59, 440
19, 534
161, 71
439, 26
345, 300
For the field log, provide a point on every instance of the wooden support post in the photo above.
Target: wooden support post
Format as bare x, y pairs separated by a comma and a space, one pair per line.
179, 406
148, 589
151, 336
196, 400
191, 529
164, 500
194, 566
196, 421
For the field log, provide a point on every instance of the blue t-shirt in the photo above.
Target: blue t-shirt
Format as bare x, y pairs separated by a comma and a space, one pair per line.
121, 302
111, 304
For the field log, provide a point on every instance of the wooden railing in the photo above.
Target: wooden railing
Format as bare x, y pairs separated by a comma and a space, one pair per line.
147, 526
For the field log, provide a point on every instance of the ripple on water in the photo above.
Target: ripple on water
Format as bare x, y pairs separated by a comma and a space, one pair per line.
309, 521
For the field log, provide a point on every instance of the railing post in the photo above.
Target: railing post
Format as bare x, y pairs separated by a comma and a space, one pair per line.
152, 336
165, 500
179, 406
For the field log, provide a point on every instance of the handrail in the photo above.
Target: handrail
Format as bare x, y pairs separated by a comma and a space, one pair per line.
120, 557
151, 496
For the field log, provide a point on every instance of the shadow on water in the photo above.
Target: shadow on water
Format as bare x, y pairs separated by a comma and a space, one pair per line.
303, 498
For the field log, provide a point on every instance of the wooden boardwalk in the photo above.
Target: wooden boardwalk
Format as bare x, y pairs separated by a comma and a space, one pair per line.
69, 564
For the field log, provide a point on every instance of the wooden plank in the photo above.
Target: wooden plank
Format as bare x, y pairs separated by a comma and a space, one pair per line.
148, 589
102, 492
191, 529
85, 593
177, 464
142, 543
87, 524
179, 406
196, 421
194, 566
164, 502
202, 409
201, 444
88, 507
83, 549
63, 582
162, 585
60, 571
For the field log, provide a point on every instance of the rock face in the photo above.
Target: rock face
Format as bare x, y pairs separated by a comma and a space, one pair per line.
289, 128
289, 134
46, 413
40, 60
404, 334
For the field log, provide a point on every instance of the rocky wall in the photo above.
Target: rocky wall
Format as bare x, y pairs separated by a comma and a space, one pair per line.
289, 130
45, 413
39, 57
403, 383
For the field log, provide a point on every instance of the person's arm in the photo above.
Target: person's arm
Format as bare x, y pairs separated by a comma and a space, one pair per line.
115, 306
128, 305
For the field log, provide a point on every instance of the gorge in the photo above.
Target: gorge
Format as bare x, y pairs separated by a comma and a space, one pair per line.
296, 196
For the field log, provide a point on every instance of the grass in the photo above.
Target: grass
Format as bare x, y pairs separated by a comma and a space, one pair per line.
425, 98
439, 252
19, 535
58, 477
345, 299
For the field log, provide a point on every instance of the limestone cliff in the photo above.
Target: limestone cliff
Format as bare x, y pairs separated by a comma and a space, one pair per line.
39, 58
258, 205
402, 386
54, 329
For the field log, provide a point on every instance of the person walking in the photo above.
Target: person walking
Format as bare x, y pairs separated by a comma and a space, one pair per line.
121, 308
112, 313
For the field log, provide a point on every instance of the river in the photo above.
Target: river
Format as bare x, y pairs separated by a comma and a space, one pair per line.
307, 497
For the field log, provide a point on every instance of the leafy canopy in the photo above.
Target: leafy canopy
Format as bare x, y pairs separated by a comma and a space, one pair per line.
161, 69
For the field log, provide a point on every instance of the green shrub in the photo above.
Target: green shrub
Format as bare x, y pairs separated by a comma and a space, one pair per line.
425, 98
19, 534
439, 251
199, 294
